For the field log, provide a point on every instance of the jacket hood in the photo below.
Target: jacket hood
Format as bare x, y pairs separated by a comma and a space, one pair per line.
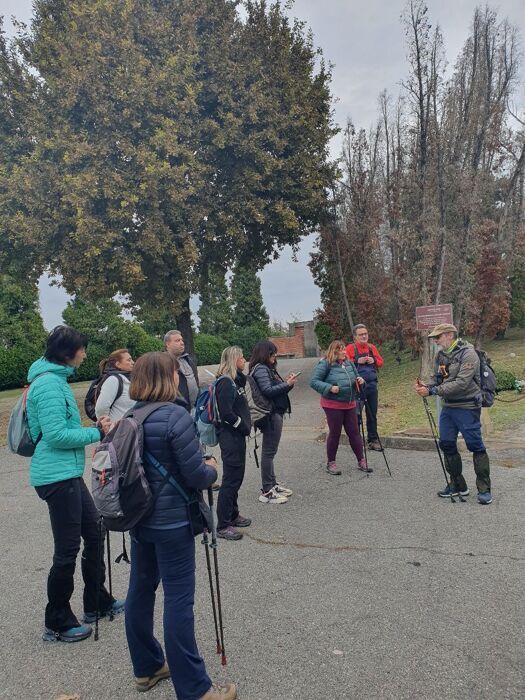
460, 345
42, 365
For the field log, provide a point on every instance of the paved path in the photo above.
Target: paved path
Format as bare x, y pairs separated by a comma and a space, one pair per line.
357, 588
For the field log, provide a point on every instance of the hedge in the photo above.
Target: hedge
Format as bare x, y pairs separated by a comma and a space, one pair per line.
505, 380
208, 348
14, 365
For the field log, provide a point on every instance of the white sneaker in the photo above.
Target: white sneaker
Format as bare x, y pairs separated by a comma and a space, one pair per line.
272, 497
282, 491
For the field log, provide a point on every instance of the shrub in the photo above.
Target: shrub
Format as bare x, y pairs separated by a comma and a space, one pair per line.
14, 364
247, 337
505, 380
208, 348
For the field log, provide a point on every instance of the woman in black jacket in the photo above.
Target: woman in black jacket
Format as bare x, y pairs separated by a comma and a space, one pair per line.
234, 428
263, 368
163, 545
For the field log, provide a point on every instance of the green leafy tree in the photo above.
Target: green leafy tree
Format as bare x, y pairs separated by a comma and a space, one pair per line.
163, 144
215, 312
247, 302
20, 321
250, 318
107, 330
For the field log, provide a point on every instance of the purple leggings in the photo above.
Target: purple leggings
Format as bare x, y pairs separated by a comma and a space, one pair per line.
337, 418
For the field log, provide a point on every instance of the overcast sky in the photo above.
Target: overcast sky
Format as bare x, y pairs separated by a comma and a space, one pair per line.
364, 40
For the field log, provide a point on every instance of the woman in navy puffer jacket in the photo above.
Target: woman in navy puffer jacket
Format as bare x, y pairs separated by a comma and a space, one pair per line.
163, 546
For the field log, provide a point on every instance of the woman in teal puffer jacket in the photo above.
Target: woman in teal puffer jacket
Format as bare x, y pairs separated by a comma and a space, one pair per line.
336, 379
56, 473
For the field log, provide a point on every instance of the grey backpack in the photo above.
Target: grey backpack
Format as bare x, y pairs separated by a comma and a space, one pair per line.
119, 486
260, 407
19, 438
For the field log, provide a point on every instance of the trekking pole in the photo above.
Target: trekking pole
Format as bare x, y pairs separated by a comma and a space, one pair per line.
363, 436
377, 435
97, 576
217, 585
206, 543
362, 426
110, 580
434, 431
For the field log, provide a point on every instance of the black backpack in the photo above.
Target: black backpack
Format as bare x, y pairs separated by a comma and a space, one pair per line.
487, 380
94, 392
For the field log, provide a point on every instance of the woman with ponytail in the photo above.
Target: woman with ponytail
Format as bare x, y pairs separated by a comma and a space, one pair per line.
113, 387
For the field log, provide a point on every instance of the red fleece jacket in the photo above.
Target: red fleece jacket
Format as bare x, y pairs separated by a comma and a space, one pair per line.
362, 349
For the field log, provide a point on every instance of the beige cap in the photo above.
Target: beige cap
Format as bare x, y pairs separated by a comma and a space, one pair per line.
442, 328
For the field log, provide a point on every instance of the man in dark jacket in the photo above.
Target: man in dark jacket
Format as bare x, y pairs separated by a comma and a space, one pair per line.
188, 375
456, 380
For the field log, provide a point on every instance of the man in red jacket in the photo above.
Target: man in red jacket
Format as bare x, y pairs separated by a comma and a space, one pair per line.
368, 360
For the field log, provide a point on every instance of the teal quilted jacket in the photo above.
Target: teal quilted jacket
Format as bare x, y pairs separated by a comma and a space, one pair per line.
53, 412
325, 375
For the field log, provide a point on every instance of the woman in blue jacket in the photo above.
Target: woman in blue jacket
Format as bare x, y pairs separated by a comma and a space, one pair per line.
336, 378
263, 368
163, 544
56, 473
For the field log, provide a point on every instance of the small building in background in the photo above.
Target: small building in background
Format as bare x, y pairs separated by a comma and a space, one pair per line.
301, 341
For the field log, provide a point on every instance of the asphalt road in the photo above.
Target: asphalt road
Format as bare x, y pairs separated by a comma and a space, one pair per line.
359, 587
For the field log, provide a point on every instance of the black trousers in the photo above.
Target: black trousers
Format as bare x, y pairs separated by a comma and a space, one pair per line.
371, 410
233, 454
73, 516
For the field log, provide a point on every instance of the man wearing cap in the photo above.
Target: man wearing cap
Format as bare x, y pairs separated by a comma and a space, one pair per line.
456, 380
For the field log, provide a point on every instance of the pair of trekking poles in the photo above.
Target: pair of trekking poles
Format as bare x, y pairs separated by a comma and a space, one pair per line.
209, 540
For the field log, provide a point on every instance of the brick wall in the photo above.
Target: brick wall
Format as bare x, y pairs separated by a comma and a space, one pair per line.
293, 345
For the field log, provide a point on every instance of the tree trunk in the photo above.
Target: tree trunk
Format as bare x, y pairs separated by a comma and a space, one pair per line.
427, 358
343, 286
185, 327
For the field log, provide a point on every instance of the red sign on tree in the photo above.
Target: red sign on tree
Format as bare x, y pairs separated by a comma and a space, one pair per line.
429, 316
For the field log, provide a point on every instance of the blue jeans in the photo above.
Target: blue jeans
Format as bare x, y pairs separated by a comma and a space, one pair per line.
167, 555
466, 421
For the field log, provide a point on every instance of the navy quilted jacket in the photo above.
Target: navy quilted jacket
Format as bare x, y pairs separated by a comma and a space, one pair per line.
169, 434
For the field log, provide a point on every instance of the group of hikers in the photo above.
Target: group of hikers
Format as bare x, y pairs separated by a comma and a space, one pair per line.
166, 385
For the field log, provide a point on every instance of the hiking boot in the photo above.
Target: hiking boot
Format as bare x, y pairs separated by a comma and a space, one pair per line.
363, 466
229, 533
221, 692
116, 608
282, 491
332, 469
452, 490
242, 522
375, 445
272, 497
73, 634
484, 498
147, 683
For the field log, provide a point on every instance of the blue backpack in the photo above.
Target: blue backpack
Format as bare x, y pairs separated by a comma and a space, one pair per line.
207, 416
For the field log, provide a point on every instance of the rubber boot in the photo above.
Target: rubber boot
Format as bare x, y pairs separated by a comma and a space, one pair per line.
454, 467
482, 469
